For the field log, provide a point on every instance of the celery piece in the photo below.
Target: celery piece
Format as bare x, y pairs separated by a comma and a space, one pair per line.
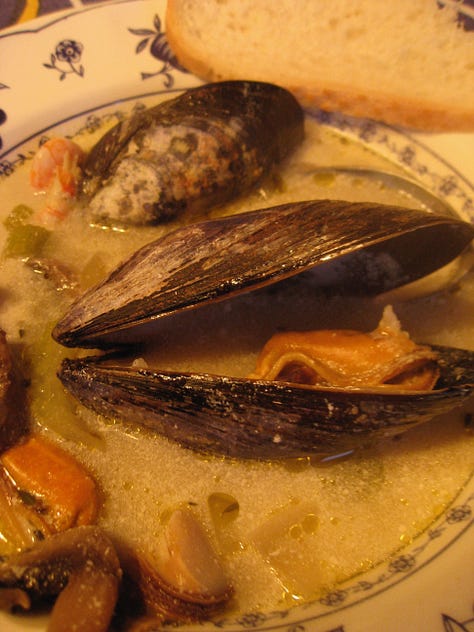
25, 240
19, 215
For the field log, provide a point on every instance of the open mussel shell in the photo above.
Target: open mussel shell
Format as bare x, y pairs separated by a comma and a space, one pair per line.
245, 418
376, 247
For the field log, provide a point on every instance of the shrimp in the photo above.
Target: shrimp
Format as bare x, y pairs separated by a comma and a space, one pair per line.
56, 173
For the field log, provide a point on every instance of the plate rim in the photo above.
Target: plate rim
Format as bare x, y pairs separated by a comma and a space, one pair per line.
349, 125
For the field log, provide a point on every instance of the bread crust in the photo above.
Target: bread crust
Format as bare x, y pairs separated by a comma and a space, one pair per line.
409, 111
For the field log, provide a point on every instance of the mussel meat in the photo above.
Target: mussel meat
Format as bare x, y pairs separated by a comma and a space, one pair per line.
378, 247
202, 148
384, 358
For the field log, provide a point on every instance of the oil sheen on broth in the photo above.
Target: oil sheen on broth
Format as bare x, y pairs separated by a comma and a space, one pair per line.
288, 531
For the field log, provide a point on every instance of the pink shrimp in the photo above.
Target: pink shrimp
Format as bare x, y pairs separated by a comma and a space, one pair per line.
56, 172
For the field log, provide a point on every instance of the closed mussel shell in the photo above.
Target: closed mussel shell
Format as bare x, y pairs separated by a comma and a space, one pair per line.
199, 149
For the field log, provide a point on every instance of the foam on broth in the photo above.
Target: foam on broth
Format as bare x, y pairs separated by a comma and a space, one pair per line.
300, 527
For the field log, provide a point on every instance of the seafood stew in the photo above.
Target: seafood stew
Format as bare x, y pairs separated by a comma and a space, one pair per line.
281, 530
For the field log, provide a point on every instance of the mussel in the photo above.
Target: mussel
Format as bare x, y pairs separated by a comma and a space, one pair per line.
259, 419
374, 247
202, 148
183, 579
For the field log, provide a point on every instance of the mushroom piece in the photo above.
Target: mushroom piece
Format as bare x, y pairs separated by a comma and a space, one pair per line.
79, 566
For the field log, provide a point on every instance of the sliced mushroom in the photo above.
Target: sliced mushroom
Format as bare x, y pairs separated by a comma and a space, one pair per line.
81, 566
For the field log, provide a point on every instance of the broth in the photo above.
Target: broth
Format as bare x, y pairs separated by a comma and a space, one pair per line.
300, 527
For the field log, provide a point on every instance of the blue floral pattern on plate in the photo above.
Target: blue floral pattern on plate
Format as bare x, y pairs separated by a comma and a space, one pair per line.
66, 59
157, 44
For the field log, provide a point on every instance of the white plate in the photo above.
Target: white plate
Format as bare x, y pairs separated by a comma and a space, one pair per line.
67, 68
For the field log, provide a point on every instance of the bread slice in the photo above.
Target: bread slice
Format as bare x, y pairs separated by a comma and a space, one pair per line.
408, 62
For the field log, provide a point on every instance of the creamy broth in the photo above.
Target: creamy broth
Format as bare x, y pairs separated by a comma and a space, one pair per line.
302, 526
